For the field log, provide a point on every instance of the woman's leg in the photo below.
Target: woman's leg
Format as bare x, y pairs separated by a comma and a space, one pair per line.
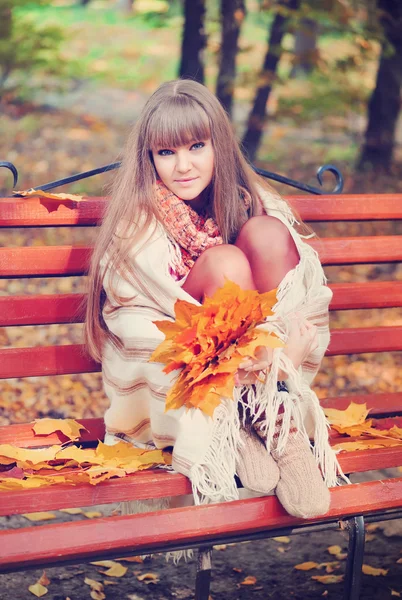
270, 250
214, 266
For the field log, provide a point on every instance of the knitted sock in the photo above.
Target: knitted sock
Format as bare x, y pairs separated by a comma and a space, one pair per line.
255, 466
301, 489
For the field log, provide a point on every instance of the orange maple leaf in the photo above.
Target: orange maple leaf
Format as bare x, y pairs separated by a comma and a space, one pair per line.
209, 342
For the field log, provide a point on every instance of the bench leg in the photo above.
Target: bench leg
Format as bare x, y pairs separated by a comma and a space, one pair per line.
203, 578
353, 572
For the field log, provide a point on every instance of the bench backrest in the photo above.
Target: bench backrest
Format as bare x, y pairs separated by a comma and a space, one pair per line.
62, 261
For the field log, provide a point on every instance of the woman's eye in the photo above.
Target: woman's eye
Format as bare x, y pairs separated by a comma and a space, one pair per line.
165, 152
197, 145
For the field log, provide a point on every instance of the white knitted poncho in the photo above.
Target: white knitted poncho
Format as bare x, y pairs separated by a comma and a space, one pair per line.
204, 448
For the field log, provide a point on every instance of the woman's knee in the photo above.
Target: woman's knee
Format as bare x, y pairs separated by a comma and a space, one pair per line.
268, 236
227, 260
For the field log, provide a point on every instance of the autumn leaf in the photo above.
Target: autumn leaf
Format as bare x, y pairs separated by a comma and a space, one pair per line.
71, 511
334, 550
283, 539
42, 194
395, 593
328, 578
306, 566
249, 580
68, 427
367, 570
355, 414
92, 514
115, 570
148, 578
95, 585
39, 516
38, 590
44, 580
208, 343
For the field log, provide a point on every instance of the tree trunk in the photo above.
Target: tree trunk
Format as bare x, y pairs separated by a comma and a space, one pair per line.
232, 14
193, 41
305, 50
258, 115
6, 21
385, 102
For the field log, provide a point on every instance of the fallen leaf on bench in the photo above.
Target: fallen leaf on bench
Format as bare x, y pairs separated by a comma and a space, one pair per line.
363, 444
94, 585
68, 427
92, 514
367, 570
148, 578
355, 414
328, 578
249, 580
38, 590
306, 566
49, 196
71, 511
44, 579
283, 539
40, 516
116, 570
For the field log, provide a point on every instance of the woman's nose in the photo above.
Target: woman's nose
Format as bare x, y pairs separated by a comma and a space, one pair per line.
183, 162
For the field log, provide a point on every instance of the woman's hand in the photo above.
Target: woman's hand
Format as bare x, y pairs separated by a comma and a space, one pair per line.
302, 340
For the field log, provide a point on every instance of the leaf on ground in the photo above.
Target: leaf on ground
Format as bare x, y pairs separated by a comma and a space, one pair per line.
95, 595
116, 570
395, 593
329, 566
93, 584
328, 578
92, 514
220, 547
283, 539
68, 427
103, 563
355, 414
334, 550
38, 590
71, 511
39, 516
367, 570
236, 570
44, 579
281, 550
148, 578
249, 580
306, 566
134, 559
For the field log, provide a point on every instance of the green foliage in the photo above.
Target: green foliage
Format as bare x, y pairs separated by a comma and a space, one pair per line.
26, 46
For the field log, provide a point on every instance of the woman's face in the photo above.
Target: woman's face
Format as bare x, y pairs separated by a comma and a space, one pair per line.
186, 170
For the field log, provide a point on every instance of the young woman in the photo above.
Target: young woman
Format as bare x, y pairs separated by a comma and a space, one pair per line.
186, 212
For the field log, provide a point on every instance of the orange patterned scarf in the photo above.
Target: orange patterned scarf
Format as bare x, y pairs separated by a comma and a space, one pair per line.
193, 232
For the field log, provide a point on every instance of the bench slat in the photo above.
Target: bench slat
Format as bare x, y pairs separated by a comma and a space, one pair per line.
155, 484
70, 308
66, 360
74, 260
46, 360
42, 309
50, 261
34, 212
365, 339
161, 530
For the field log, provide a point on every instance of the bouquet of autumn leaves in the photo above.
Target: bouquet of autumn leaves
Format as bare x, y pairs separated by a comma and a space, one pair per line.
209, 342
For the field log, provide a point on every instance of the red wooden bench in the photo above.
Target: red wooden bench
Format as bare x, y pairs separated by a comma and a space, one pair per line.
202, 526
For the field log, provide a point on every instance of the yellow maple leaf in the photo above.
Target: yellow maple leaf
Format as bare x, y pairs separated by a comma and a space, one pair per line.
208, 343
367, 570
38, 590
48, 195
68, 427
355, 414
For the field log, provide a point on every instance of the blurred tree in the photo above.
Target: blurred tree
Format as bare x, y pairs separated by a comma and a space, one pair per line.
232, 17
193, 41
305, 48
284, 10
385, 102
25, 47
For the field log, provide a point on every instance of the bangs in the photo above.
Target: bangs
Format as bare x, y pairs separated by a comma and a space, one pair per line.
179, 122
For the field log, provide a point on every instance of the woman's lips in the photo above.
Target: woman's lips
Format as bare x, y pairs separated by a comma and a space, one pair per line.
186, 182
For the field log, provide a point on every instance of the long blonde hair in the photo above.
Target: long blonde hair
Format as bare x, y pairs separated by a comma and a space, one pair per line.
177, 113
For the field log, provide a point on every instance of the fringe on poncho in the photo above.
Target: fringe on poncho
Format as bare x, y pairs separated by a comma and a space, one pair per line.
205, 448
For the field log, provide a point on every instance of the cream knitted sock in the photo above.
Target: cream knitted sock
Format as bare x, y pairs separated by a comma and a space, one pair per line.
301, 489
255, 466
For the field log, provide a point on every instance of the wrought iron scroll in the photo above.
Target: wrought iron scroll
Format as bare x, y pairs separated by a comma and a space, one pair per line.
268, 174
